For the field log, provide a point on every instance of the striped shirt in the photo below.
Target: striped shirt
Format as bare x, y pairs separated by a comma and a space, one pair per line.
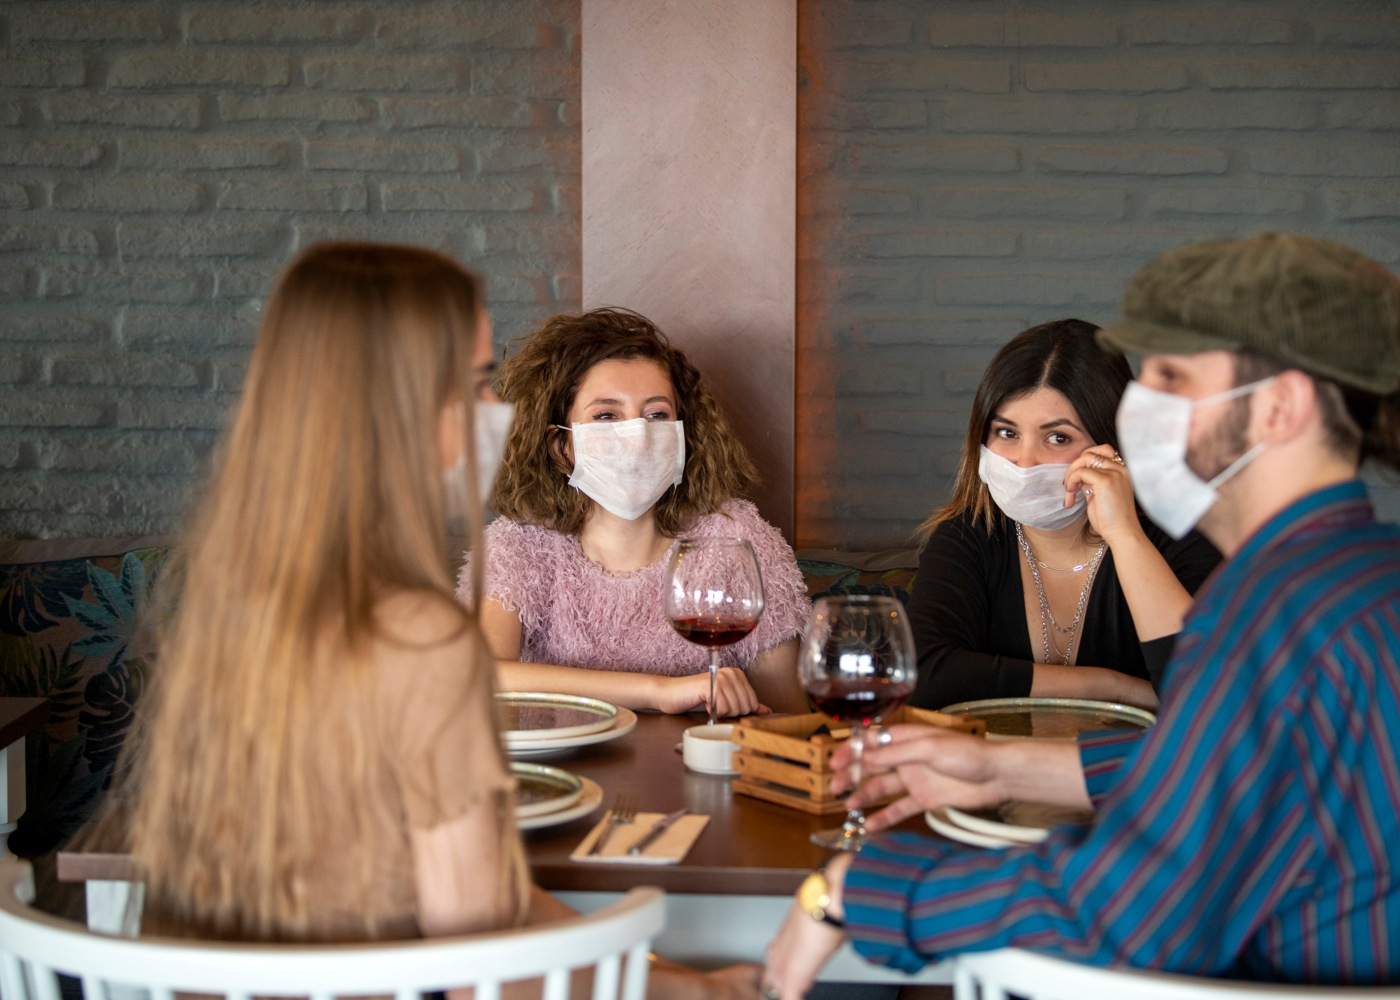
1248, 833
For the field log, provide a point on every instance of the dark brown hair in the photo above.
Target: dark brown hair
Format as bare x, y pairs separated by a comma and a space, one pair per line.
541, 375
1357, 425
1060, 355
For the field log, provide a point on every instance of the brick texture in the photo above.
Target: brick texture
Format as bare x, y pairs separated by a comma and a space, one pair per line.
966, 168
969, 168
159, 162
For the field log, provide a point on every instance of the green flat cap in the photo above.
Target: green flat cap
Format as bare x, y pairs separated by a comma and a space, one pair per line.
1307, 302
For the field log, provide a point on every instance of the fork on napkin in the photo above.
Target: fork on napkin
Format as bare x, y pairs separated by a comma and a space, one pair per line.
668, 848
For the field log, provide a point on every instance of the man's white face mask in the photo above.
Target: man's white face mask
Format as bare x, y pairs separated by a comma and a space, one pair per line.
1153, 431
626, 465
1033, 496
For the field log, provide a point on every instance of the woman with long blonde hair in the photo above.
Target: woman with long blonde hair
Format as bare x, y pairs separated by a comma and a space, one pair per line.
317, 759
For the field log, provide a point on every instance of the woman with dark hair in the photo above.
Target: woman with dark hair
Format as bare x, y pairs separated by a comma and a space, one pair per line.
1040, 577
617, 451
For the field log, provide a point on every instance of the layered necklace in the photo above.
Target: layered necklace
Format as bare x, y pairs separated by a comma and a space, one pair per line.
1048, 625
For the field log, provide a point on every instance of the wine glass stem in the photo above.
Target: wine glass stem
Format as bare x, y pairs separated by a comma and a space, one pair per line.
855, 818
714, 672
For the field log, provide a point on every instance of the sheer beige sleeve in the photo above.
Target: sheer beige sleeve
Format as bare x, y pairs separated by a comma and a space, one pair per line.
455, 786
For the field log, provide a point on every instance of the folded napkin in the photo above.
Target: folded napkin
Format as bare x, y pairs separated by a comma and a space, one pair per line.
667, 849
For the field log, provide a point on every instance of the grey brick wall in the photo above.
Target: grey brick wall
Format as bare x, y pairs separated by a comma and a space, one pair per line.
160, 160
966, 168
969, 168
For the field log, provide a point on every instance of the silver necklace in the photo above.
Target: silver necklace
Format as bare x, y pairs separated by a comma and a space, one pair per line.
1060, 569
1047, 619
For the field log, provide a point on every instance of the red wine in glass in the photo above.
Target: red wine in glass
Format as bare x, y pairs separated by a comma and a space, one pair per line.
857, 662
713, 630
866, 701
714, 596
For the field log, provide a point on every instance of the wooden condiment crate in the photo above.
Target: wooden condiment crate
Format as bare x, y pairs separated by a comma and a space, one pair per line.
786, 760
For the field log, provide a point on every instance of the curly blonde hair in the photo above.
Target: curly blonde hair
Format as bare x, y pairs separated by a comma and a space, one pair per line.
541, 375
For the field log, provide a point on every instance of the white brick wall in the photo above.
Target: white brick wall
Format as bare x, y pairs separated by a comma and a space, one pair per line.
160, 160
970, 167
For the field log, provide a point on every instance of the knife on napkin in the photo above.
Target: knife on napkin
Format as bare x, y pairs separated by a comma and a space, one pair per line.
657, 829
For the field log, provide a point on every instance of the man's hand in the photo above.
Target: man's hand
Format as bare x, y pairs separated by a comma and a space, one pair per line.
926, 767
803, 945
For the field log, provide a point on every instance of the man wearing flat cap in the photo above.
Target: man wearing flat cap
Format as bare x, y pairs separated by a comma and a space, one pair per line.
1251, 832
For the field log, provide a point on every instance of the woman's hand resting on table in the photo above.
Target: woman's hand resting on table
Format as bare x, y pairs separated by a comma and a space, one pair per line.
925, 767
734, 695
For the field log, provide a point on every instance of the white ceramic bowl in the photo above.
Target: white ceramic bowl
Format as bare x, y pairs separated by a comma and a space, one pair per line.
710, 749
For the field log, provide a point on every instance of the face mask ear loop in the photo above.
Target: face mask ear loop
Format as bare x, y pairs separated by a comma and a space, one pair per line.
555, 444
1248, 388
1236, 466
1236, 392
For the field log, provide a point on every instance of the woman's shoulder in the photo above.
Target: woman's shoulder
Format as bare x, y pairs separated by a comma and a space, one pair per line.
964, 532
511, 541
734, 516
419, 618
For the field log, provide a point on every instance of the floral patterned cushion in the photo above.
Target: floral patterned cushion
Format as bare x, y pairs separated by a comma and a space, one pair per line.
833, 572
68, 632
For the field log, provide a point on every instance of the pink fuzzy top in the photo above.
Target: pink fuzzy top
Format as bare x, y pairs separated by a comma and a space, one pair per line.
575, 613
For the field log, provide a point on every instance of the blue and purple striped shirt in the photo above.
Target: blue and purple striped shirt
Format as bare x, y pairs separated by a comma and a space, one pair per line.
1248, 833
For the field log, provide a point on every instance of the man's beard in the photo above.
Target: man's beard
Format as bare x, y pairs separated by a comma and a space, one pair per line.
1225, 444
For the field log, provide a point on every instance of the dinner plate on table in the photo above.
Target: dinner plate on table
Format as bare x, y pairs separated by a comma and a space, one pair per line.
1012, 824
536, 715
548, 796
1060, 719
939, 820
524, 744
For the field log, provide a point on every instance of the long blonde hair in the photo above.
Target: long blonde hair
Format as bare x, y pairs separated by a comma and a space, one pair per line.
326, 497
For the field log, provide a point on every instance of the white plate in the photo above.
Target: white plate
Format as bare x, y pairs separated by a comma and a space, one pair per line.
1059, 719
939, 820
588, 802
531, 715
625, 722
551, 790
1023, 822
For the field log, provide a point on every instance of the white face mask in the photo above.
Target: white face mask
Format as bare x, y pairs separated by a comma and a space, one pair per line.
626, 465
491, 425
491, 428
1033, 496
1153, 430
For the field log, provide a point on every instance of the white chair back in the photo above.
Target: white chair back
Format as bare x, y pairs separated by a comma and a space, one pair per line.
1008, 972
613, 943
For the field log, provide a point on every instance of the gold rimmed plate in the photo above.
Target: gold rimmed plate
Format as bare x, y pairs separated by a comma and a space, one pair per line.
625, 722
590, 801
531, 717
1050, 718
540, 789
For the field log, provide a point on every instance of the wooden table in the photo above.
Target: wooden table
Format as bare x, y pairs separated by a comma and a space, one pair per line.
18, 718
728, 895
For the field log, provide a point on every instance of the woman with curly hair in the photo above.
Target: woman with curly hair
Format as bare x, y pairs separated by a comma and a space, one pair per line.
617, 451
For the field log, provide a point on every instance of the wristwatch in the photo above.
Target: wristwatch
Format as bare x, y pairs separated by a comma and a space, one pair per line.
814, 896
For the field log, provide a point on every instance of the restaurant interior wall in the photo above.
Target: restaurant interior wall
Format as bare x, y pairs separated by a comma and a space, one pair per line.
161, 160
965, 168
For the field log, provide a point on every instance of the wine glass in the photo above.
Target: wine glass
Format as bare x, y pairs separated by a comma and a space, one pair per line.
857, 665
714, 596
